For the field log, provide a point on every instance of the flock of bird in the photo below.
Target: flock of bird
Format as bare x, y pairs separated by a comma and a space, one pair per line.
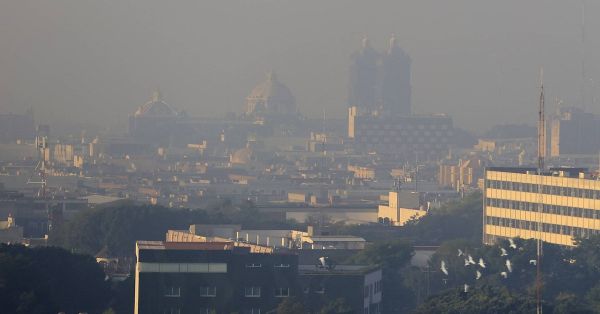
481, 263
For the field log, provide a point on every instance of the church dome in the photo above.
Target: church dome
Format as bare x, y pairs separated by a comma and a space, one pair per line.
271, 97
156, 107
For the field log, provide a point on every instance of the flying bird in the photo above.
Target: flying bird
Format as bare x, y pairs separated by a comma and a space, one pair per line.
444, 269
471, 260
533, 262
460, 252
477, 275
503, 252
481, 263
504, 274
466, 288
467, 262
513, 245
509, 266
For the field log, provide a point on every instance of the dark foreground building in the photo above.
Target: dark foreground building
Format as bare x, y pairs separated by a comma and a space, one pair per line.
210, 277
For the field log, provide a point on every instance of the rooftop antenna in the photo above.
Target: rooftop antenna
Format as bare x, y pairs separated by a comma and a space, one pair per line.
583, 75
540, 170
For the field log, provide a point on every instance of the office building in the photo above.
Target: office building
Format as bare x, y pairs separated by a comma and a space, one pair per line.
574, 132
565, 201
403, 206
210, 277
395, 86
360, 286
417, 136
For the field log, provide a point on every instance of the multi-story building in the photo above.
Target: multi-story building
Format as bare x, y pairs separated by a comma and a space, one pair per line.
402, 207
359, 286
461, 174
574, 132
565, 201
417, 136
211, 277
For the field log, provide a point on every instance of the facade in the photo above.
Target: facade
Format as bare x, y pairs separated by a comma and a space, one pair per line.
395, 86
574, 132
566, 201
210, 277
428, 136
360, 286
15, 127
362, 91
465, 173
403, 206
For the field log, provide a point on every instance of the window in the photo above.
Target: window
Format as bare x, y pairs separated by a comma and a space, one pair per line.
172, 311
208, 292
320, 290
282, 292
282, 266
173, 292
252, 292
205, 310
252, 311
253, 265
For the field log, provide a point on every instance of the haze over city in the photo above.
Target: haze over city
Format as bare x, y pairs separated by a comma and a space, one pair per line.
299, 157
94, 61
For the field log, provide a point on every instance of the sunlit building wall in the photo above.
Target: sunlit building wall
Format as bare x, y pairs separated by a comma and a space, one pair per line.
565, 201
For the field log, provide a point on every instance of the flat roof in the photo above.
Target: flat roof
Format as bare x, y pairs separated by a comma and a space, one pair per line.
200, 246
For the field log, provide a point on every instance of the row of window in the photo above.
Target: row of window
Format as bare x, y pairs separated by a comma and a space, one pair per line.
372, 289
533, 226
399, 126
546, 189
259, 265
211, 292
208, 311
545, 208
369, 136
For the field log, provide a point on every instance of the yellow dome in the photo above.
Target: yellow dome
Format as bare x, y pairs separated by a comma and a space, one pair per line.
271, 97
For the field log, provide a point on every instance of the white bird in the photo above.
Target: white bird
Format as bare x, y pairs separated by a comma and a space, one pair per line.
513, 245
509, 265
471, 260
466, 288
467, 262
503, 252
504, 274
477, 275
444, 269
533, 262
460, 252
481, 263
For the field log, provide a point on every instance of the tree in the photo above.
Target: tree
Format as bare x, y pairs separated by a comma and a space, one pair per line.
291, 305
49, 280
337, 306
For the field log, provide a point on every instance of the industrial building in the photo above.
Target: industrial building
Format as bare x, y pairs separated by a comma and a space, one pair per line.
565, 201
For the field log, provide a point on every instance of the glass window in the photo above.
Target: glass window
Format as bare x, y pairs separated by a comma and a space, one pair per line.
208, 291
282, 292
252, 292
172, 291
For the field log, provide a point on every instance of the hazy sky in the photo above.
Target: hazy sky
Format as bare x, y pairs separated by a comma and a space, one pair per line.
478, 60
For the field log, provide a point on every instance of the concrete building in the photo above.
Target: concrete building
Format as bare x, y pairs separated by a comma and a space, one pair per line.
574, 132
210, 277
360, 286
10, 232
15, 127
395, 86
465, 173
428, 136
566, 201
362, 91
402, 207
